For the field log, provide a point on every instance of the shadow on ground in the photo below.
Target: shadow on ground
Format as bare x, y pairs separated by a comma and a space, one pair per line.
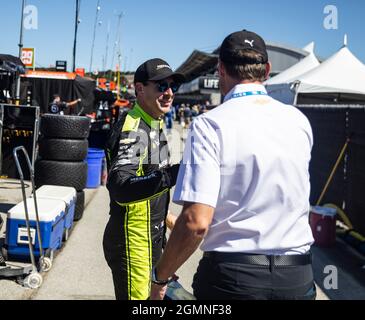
5, 207
349, 265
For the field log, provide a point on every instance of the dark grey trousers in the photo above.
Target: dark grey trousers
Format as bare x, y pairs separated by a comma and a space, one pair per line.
235, 281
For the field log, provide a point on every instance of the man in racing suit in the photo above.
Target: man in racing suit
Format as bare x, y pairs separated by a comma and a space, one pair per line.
139, 181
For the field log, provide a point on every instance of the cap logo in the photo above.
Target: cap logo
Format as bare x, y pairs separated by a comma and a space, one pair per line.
161, 66
250, 42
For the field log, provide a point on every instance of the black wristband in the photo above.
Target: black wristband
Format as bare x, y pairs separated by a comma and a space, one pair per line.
154, 279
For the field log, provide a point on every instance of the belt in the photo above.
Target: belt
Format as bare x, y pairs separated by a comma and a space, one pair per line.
259, 259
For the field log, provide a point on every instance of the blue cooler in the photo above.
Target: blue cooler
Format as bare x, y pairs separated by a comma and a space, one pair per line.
51, 220
67, 195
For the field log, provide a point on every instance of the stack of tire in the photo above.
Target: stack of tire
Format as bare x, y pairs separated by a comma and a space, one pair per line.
63, 148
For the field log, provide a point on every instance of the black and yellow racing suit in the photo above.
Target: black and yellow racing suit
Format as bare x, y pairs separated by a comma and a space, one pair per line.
139, 181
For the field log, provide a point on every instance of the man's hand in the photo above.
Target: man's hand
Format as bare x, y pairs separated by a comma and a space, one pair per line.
73, 103
170, 220
157, 292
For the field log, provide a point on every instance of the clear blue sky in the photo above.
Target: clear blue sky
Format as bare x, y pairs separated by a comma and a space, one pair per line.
172, 29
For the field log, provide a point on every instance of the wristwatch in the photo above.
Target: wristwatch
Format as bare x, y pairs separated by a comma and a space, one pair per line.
154, 279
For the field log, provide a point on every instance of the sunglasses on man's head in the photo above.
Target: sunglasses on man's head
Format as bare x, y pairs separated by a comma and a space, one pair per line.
162, 86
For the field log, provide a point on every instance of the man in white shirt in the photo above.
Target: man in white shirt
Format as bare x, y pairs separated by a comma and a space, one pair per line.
244, 184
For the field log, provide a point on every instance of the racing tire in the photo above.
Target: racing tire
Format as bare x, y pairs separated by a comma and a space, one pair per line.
80, 206
63, 149
67, 174
66, 127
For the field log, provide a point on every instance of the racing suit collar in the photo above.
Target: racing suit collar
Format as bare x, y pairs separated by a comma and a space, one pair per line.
152, 123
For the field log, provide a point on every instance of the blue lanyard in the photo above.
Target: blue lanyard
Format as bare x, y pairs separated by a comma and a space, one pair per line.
246, 94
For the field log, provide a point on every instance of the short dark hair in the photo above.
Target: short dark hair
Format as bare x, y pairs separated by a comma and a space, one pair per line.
247, 71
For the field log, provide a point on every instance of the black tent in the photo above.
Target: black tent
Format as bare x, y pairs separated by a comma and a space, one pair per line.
42, 90
84, 89
10, 68
11, 64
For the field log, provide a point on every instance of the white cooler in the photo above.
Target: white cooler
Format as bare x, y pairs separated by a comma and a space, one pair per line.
51, 220
65, 194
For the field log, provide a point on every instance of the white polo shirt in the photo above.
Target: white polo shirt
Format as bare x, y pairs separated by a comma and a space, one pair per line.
249, 159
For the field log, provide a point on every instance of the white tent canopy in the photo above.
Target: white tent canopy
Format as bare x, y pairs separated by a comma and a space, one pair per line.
340, 78
280, 87
291, 74
341, 73
309, 47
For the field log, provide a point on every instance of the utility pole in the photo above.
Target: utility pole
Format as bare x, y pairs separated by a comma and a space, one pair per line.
17, 95
93, 42
103, 63
118, 81
75, 40
21, 29
119, 70
107, 48
129, 68
117, 39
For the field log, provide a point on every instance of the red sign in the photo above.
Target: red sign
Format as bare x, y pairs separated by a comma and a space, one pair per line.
80, 72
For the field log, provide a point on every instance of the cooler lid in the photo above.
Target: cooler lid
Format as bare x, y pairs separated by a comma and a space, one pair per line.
66, 194
324, 211
48, 209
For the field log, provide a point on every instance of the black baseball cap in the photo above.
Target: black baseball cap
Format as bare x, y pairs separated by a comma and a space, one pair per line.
155, 70
240, 41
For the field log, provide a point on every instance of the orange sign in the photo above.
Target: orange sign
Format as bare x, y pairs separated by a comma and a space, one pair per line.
112, 85
102, 83
51, 75
28, 58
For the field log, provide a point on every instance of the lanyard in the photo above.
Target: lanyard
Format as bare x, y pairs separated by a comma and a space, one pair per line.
246, 94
